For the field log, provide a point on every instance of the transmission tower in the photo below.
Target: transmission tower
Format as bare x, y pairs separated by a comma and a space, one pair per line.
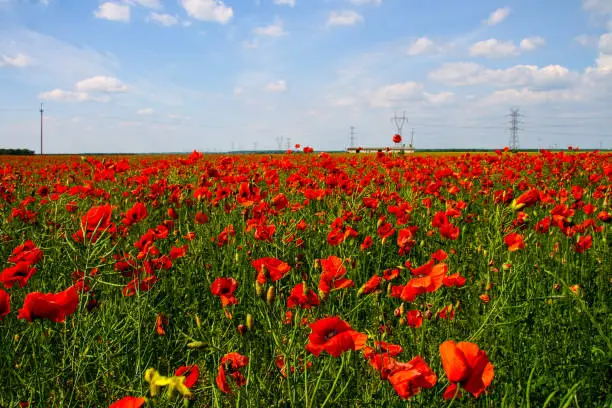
514, 129
352, 139
412, 138
399, 122
279, 142
42, 112
288, 143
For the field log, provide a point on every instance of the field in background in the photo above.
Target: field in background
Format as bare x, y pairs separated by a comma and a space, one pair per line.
306, 280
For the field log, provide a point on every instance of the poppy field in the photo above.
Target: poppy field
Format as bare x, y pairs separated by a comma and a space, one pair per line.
306, 279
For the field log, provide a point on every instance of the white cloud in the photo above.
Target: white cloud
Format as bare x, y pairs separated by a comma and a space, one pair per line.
586, 40
360, 2
276, 86
392, 95
145, 111
251, 44
344, 18
497, 16
439, 98
605, 43
101, 84
531, 43
290, 3
598, 6
165, 20
113, 12
493, 48
342, 102
469, 73
422, 45
18, 61
527, 96
69, 96
154, 4
272, 30
208, 10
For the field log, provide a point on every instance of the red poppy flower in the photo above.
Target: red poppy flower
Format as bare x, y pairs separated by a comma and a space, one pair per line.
50, 306
467, 365
273, 268
430, 282
5, 303
405, 239
96, 221
128, 402
176, 253
408, 378
371, 286
334, 336
191, 373
229, 366
453, 280
414, 318
225, 288
527, 199
381, 347
160, 322
514, 241
391, 274
332, 276
26, 252
367, 243
20, 274
142, 285
583, 243
303, 297
97, 218
397, 138
137, 213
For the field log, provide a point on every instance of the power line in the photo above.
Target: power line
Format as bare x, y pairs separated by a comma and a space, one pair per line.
352, 139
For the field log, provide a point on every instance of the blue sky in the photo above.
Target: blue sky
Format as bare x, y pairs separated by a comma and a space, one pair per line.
179, 75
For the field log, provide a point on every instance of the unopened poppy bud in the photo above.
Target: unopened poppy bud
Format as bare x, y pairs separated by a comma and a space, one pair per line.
317, 263
271, 295
399, 311
242, 329
557, 287
259, 290
489, 286
402, 320
422, 243
427, 315
16, 337
506, 266
389, 289
196, 344
249, 321
198, 322
236, 257
322, 295
228, 314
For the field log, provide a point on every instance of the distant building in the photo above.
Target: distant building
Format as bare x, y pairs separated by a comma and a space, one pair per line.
396, 149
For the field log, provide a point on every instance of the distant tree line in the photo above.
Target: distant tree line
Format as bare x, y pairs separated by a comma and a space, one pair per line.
16, 152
